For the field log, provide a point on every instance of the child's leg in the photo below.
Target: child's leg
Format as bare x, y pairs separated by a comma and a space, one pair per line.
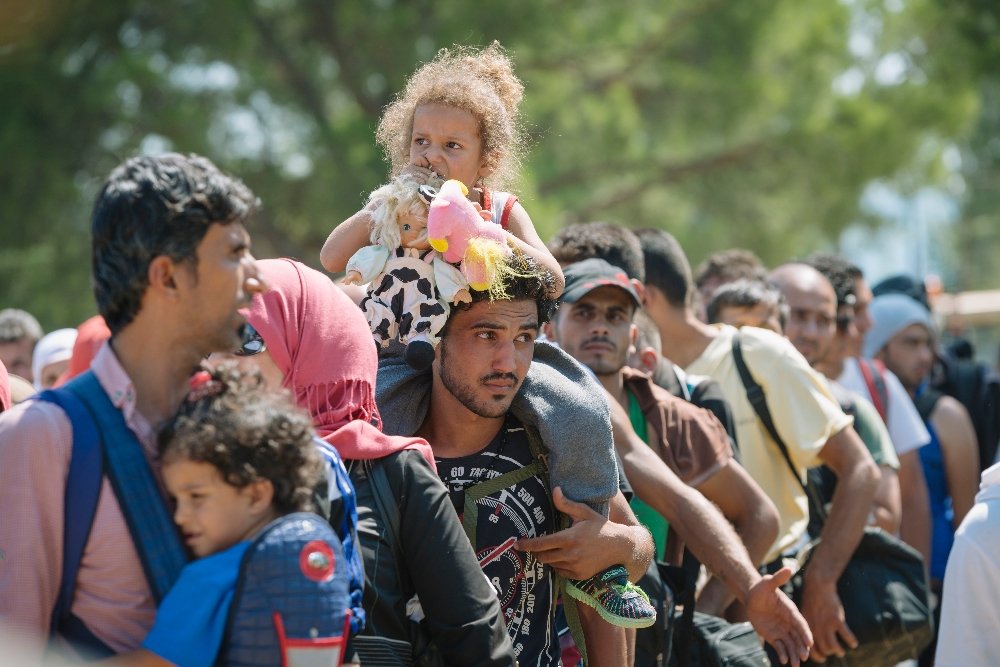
567, 406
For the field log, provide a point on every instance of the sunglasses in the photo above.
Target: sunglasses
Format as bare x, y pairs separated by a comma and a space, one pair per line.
844, 322
252, 343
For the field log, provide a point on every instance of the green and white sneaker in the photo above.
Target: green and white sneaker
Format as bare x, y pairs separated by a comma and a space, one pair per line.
616, 599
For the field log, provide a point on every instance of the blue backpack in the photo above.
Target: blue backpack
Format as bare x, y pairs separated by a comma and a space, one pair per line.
103, 445
292, 601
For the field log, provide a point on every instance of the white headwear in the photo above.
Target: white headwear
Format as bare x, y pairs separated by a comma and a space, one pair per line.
891, 313
53, 347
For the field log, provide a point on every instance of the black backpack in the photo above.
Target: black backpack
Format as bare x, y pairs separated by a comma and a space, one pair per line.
976, 386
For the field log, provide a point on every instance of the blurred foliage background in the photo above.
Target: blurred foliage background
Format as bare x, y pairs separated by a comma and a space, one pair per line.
753, 123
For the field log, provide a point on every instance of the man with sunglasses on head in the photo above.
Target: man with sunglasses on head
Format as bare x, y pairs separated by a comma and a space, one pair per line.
171, 269
817, 321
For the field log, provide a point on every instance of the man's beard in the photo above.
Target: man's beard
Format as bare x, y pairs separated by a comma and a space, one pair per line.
465, 391
610, 363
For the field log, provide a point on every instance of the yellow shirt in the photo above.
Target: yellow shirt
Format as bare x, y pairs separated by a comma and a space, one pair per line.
804, 411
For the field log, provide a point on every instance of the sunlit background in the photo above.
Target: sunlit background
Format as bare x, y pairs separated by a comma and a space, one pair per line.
868, 127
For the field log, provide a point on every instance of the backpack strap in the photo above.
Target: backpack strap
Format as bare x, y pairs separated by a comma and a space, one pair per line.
476, 492
142, 504
925, 402
758, 399
347, 531
875, 382
418, 648
83, 490
388, 509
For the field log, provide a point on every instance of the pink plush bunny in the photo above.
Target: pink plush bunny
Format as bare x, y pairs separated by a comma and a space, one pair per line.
458, 231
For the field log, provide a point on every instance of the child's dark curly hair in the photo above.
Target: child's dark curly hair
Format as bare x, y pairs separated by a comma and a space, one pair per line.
248, 433
480, 81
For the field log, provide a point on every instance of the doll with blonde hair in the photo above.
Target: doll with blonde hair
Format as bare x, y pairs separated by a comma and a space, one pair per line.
410, 287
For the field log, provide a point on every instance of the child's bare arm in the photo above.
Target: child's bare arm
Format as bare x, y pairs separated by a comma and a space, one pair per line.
527, 240
346, 239
354, 233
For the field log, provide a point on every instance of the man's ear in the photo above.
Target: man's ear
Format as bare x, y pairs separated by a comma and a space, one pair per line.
549, 329
648, 295
162, 275
633, 334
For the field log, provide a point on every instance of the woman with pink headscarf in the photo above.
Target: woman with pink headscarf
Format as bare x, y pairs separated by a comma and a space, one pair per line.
4, 389
313, 340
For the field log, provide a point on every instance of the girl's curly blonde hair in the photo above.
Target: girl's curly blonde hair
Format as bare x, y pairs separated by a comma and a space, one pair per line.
481, 82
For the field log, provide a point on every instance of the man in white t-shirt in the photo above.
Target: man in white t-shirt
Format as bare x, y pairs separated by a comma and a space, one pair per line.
970, 613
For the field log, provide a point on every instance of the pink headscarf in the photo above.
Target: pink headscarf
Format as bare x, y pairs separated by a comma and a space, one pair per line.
321, 341
4, 389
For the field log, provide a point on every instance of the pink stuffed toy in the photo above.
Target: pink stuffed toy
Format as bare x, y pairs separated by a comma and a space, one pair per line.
457, 230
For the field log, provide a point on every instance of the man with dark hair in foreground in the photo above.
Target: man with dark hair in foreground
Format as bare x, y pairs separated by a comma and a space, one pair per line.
171, 268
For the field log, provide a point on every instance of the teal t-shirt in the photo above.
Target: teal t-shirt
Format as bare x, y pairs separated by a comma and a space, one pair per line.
650, 518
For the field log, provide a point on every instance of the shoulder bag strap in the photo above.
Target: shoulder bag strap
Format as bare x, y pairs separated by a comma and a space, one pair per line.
477, 491
83, 490
388, 508
507, 208
876, 387
758, 399
145, 510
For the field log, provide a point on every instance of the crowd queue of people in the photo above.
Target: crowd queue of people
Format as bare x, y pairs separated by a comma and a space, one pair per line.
500, 463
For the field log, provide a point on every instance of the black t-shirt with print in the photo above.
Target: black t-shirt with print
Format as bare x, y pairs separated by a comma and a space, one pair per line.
524, 585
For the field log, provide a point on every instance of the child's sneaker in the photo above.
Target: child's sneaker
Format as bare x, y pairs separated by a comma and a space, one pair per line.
616, 599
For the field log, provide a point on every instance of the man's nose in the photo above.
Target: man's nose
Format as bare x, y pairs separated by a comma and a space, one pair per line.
253, 279
504, 358
810, 329
926, 354
600, 325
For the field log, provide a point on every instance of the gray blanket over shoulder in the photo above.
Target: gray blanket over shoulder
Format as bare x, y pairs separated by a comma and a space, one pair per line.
560, 398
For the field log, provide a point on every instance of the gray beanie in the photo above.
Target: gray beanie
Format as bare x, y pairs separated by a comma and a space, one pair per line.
891, 313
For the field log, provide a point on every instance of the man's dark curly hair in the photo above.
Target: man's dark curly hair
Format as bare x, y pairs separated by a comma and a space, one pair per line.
839, 271
527, 280
613, 243
152, 206
730, 265
248, 433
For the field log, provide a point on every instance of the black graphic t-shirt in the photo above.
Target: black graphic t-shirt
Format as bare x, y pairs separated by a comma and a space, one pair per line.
523, 584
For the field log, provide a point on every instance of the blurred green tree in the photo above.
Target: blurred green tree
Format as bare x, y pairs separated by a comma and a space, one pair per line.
755, 123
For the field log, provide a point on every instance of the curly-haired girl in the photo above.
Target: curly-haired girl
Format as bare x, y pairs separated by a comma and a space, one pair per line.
456, 118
